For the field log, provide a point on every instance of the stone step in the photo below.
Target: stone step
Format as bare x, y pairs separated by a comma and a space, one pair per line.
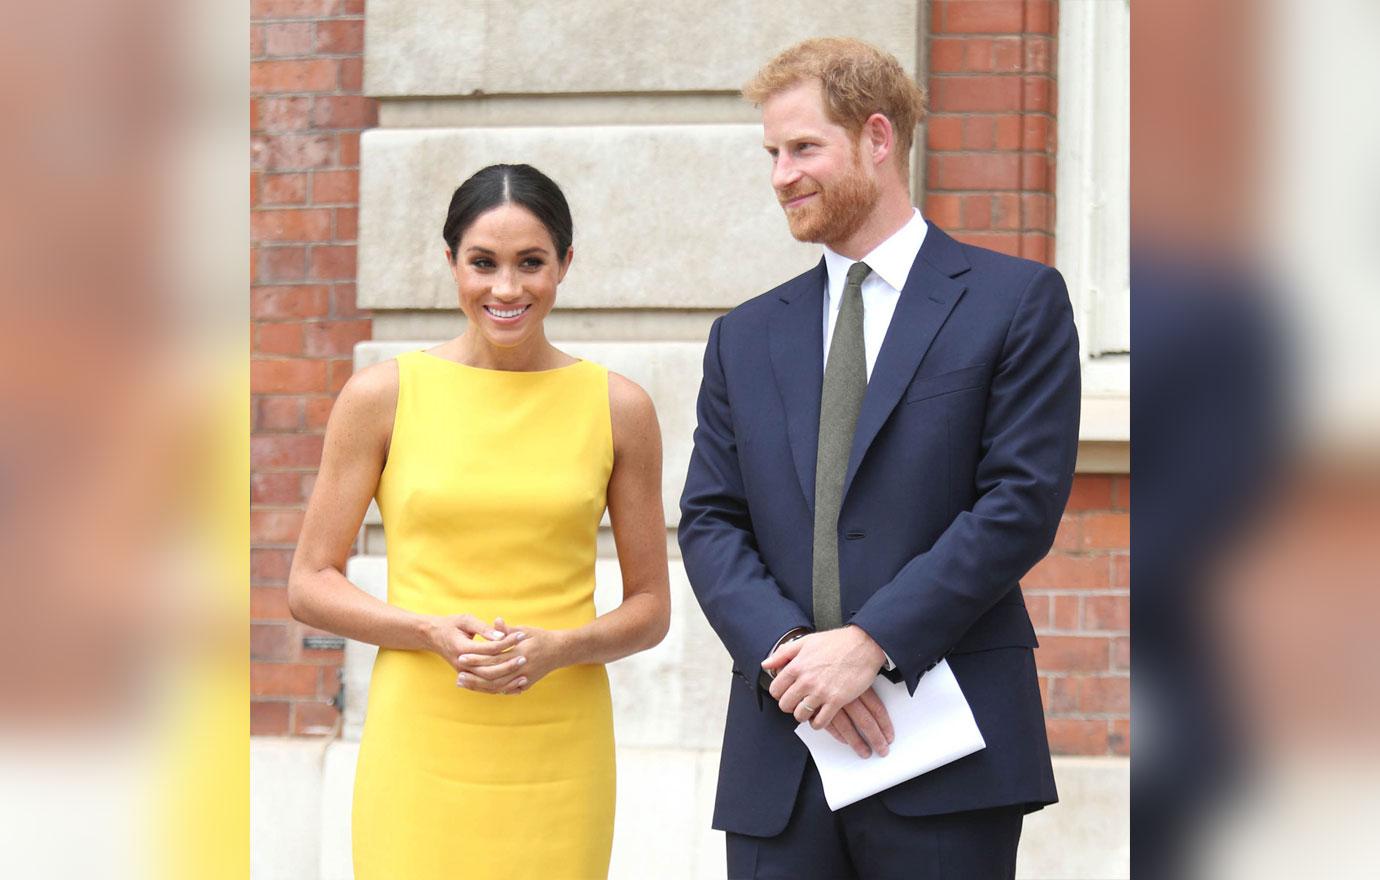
301, 790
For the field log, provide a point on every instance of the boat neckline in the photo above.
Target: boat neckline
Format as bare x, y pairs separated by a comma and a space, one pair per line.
444, 360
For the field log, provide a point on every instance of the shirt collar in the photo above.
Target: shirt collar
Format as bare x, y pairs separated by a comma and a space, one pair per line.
891, 260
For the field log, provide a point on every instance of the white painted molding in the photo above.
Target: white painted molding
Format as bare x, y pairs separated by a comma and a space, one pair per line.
1093, 171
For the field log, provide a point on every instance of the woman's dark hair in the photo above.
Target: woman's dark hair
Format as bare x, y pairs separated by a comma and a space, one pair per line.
504, 184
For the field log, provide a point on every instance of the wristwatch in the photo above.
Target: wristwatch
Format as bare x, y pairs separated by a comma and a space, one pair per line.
765, 676
799, 632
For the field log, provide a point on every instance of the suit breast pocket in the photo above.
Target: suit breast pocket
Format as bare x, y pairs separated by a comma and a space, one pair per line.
967, 379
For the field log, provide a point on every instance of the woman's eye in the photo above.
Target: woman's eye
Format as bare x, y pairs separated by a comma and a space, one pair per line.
532, 263
482, 263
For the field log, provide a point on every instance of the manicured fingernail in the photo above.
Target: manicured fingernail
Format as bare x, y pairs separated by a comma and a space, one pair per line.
495, 635
461, 680
521, 661
522, 682
517, 637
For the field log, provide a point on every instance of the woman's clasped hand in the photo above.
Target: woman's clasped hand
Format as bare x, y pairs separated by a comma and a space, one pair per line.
497, 659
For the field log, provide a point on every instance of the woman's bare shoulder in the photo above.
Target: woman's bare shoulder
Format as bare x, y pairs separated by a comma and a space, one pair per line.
628, 400
369, 399
632, 412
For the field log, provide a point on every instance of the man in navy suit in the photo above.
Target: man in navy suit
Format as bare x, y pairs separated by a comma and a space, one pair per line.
885, 447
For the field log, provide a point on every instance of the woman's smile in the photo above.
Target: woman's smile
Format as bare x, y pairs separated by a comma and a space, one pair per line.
507, 315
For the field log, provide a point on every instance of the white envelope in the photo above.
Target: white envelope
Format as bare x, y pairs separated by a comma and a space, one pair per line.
933, 727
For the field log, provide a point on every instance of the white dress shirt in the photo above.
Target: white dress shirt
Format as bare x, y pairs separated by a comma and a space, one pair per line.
881, 289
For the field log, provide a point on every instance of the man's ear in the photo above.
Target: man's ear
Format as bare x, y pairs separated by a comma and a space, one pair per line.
879, 138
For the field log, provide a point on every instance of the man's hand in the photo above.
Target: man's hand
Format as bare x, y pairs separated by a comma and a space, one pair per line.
821, 673
864, 726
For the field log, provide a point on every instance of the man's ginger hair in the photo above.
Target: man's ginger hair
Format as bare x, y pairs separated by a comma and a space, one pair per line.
858, 80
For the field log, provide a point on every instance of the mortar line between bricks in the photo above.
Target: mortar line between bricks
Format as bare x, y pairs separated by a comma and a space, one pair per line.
336, 93
1112, 592
1103, 673
310, 20
311, 56
1089, 716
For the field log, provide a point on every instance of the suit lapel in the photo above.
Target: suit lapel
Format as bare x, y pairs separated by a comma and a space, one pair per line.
927, 299
797, 360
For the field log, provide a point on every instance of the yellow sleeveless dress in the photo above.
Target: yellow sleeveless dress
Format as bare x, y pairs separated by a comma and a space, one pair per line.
491, 499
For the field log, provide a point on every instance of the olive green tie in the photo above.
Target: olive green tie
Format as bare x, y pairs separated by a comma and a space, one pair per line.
841, 398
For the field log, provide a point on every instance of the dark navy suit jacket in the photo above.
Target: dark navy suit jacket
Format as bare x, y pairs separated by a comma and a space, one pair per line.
961, 465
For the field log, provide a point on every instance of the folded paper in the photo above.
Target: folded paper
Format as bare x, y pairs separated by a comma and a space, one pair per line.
934, 727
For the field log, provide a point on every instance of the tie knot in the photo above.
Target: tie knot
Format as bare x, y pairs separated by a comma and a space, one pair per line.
856, 273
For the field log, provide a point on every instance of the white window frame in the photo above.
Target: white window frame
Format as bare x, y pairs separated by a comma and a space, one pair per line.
1093, 175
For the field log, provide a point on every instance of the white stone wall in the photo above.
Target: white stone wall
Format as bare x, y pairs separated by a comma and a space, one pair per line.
678, 217
635, 115
468, 47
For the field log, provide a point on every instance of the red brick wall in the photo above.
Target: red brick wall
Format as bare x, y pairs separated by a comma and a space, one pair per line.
989, 166
989, 179
1080, 602
306, 112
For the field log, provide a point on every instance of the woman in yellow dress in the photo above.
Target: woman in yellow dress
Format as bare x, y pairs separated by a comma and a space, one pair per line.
488, 742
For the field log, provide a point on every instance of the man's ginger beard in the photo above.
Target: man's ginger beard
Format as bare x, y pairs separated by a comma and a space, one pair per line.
837, 211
